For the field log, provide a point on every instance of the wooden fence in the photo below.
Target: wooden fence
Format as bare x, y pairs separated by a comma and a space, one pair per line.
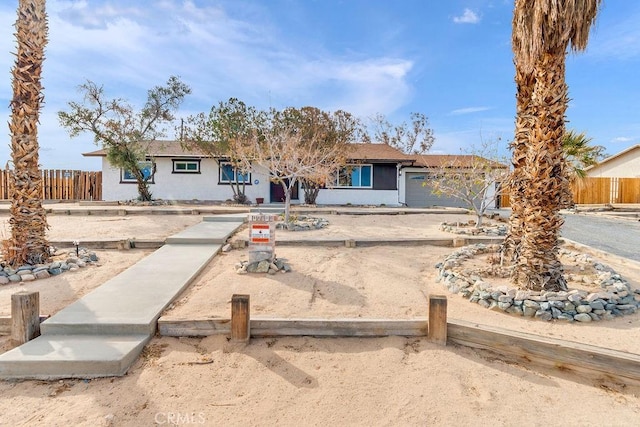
599, 191
61, 185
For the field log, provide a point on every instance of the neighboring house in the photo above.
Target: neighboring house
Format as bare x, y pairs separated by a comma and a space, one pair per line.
616, 179
625, 164
376, 174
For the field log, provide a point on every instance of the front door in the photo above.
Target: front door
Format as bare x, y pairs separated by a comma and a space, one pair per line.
277, 192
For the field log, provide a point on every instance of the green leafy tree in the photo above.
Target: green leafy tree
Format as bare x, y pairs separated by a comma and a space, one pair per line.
124, 132
225, 132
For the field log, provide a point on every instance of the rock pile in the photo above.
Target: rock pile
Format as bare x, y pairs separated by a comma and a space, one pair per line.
469, 228
611, 295
303, 223
264, 266
61, 262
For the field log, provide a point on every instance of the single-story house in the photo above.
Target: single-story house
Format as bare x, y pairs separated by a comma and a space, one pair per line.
376, 174
625, 164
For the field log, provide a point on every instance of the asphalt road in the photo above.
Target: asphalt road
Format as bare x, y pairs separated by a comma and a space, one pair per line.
618, 236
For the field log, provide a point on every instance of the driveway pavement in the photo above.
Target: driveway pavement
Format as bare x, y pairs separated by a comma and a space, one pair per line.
618, 236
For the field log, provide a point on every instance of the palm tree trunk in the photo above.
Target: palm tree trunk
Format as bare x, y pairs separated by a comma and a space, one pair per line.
28, 221
537, 266
525, 82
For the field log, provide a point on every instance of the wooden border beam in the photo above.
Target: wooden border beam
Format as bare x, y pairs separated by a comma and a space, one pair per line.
5, 324
526, 349
529, 349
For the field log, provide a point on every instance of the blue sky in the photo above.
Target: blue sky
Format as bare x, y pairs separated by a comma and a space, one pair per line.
450, 60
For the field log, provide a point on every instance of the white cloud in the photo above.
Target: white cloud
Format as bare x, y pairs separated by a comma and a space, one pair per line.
469, 110
468, 17
622, 139
131, 47
620, 39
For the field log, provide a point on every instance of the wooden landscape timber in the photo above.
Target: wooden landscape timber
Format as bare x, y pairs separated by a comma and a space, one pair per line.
526, 349
5, 324
282, 327
535, 350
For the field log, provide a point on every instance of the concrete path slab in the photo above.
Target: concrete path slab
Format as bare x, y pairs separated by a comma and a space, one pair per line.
103, 333
205, 232
72, 356
131, 302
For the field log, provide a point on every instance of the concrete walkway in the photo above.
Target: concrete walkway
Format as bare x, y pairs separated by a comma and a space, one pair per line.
104, 332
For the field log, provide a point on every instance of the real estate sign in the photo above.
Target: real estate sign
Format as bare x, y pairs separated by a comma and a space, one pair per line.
262, 237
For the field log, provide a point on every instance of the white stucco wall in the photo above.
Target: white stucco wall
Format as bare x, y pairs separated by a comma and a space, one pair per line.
204, 186
627, 165
180, 186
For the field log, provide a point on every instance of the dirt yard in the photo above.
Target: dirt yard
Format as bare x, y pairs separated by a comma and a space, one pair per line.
311, 381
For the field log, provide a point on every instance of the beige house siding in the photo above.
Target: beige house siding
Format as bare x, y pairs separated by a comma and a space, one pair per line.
625, 164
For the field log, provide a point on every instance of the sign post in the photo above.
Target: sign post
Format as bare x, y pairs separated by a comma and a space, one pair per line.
262, 237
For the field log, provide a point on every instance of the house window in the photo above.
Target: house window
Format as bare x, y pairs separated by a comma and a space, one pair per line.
147, 168
229, 174
355, 176
186, 166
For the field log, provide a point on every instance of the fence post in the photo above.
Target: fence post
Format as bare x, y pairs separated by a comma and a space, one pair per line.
25, 316
437, 319
240, 314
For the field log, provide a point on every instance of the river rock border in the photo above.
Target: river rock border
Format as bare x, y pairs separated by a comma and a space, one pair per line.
613, 296
62, 261
469, 228
265, 266
303, 223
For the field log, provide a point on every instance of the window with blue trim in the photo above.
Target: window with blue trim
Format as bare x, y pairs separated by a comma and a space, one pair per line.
229, 174
147, 168
355, 176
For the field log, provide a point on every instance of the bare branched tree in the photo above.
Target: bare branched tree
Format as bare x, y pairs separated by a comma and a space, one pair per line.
415, 137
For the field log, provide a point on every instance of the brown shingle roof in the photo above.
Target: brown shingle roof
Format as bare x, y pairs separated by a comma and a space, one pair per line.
159, 149
381, 152
369, 152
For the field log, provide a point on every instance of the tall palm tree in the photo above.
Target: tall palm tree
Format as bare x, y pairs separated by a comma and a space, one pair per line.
28, 218
543, 30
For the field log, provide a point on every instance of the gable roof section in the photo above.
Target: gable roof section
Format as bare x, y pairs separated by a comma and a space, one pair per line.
614, 157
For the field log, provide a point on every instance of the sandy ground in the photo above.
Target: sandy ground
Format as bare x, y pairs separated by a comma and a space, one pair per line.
310, 381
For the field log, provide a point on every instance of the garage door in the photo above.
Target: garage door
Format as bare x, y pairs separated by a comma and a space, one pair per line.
418, 195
